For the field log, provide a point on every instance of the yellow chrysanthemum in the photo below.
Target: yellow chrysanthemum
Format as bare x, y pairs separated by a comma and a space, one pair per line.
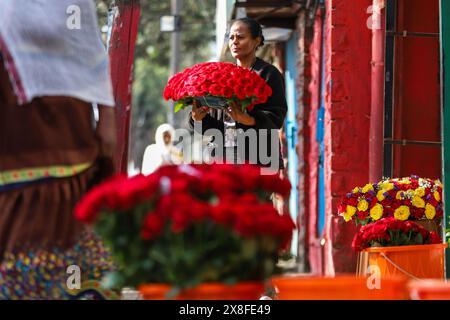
402, 213
356, 190
387, 186
437, 196
430, 211
363, 205
376, 212
420, 192
418, 202
380, 195
399, 195
349, 213
367, 188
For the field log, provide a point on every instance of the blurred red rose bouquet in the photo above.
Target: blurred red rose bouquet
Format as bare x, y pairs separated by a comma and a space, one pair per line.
392, 232
189, 224
215, 84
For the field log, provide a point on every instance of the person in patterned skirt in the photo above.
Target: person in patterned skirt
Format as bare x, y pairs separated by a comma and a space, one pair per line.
57, 137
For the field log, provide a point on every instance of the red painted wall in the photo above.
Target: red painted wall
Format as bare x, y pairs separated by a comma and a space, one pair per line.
303, 134
347, 115
348, 95
311, 147
417, 90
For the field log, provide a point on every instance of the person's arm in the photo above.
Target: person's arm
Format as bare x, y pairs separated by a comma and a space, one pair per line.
106, 134
271, 114
235, 111
106, 131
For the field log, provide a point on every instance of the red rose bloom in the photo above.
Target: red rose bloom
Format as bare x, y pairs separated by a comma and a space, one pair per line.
219, 79
153, 225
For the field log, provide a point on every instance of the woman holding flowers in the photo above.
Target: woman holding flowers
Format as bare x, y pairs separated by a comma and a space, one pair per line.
245, 37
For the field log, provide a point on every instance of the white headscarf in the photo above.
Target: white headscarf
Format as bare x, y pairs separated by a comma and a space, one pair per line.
160, 153
159, 135
53, 47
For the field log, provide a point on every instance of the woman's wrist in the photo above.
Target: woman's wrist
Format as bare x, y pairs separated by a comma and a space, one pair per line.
246, 119
199, 119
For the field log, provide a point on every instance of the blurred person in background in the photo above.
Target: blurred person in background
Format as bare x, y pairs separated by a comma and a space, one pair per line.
57, 138
162, 152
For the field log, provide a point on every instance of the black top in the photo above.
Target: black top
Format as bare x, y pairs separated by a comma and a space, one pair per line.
268, 115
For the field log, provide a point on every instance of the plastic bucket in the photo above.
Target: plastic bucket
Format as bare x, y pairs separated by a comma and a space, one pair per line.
345, 287
413, 262
429, 290
207, 291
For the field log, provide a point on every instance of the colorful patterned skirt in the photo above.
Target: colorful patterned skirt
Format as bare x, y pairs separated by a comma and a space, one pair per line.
49, 155
73, 273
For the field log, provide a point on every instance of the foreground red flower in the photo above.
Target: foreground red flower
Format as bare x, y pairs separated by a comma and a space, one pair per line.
191, 222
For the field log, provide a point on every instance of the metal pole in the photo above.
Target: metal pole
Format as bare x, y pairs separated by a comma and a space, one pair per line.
121, 45
445, 119
176, 6
377, 99
390, 16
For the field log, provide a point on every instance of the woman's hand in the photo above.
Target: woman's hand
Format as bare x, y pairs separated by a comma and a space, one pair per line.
198, 112
235, 112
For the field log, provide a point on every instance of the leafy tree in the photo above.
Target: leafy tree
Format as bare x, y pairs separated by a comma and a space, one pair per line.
152, 56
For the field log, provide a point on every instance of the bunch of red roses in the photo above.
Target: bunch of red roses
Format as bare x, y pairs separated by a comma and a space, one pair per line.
183, 195
217, 79
192, 212
393, 232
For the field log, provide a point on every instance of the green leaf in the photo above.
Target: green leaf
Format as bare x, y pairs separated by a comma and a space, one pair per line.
246, 102
230, 280
419, 239
178, 106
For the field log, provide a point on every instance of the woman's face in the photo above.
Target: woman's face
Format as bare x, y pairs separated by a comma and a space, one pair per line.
241, 42
167, 138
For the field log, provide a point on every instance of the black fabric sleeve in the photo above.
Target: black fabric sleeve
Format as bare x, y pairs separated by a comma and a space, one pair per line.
271, 114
